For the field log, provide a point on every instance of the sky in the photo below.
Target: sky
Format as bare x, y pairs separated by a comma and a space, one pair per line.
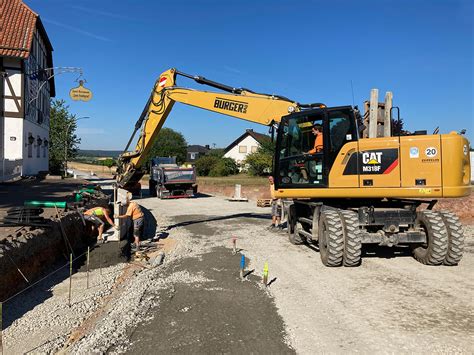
333, 52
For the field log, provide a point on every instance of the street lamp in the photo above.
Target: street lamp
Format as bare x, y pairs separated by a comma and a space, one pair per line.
74, 120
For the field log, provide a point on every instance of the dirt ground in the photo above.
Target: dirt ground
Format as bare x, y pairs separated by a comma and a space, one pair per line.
14, 194
196, 303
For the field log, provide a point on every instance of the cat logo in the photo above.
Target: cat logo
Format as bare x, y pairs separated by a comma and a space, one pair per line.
372, 158
371, 161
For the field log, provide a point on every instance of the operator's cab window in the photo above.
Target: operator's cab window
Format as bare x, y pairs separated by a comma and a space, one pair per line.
299, 163
309, 144
340, 129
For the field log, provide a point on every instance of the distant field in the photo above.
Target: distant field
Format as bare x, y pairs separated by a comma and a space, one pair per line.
241, 179
99, 153
98, 169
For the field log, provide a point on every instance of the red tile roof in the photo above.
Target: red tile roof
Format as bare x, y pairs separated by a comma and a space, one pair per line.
17, 26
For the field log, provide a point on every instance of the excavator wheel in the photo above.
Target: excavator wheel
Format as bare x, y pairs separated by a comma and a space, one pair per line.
352, 239
331, 238
292, 228
434, 251
455, 238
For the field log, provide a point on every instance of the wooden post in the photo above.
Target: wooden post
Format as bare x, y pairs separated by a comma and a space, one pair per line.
1, 328
374, 108
100, 261
70, 278
387, 123
88, 254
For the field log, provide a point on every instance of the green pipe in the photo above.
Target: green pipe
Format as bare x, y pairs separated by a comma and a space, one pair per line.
61, 204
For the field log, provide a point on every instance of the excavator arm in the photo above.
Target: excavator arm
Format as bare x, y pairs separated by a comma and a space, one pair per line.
235, 102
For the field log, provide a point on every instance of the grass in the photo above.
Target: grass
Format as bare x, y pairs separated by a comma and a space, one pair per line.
242, 179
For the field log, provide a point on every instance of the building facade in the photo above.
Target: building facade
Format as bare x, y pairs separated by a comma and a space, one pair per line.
244, 145
25, 92
194, 152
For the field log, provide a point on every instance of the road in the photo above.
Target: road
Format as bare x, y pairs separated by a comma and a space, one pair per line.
388, 304
196, 302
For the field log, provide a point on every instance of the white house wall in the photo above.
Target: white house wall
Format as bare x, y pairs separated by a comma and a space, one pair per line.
13, 84
234, 153
12, 159
34, 164
13, 138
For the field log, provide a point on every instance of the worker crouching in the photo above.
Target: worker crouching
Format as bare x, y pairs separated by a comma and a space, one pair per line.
97, 216
134, 211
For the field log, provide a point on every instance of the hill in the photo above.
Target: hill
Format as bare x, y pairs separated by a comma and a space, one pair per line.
98, 153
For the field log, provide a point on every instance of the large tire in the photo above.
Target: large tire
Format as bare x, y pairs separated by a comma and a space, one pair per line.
294, 237
455, 238
352, 238
331, 238
292, 229
434, 251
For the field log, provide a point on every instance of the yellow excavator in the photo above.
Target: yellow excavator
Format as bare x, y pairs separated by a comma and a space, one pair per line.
352, 191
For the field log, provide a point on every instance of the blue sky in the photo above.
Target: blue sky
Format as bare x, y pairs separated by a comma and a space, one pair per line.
309, 51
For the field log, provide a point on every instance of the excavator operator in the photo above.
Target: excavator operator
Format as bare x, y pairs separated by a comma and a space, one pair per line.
317, 130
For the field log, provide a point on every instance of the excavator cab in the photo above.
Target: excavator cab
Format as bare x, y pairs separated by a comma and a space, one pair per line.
297, 165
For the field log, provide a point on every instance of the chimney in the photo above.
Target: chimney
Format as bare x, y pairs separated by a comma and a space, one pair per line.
207, 146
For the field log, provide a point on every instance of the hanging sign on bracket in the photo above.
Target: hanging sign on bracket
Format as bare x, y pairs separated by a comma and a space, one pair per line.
80, 93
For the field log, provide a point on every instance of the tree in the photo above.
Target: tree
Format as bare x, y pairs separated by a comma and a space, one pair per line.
109, 163
260, 162
62, 126
169, 143
205, 164
224, 167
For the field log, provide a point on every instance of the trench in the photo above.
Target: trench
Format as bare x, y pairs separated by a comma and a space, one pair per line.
33, 260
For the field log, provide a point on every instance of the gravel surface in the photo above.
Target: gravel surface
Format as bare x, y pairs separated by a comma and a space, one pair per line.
388, 304
46, 326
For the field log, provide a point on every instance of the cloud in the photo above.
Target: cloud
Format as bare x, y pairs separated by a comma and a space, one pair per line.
99, 12
77, 30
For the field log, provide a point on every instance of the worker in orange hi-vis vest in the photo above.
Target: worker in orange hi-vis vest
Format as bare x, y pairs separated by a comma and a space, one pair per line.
134, 211
317, 130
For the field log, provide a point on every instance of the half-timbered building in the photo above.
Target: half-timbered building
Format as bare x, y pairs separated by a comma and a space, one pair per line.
25, 91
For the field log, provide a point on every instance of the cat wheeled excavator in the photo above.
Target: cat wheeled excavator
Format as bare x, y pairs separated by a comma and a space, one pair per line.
351, 192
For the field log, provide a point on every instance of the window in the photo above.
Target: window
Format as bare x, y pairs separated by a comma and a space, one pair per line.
340, 129
296, 166
44, 151
38, 151
253, 148
242, 149
192, 156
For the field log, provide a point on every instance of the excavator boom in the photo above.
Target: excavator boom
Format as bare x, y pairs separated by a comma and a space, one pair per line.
235, 102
